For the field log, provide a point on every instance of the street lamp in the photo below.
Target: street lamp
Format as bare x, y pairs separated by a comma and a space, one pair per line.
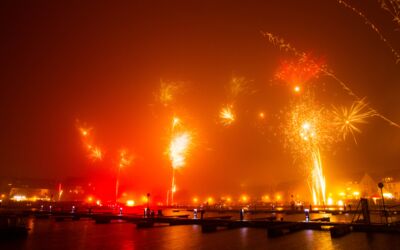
380, 185
148, 200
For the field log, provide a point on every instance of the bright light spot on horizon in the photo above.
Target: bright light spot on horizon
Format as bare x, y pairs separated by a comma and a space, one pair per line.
130, 203
388, 195
19, 197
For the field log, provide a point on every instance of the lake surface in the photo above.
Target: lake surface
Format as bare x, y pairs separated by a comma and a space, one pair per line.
86, 234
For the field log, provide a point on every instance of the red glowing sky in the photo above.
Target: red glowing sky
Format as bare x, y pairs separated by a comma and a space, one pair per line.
102, 64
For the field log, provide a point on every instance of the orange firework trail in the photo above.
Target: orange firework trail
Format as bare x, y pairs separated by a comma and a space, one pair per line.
373, 27
287, 47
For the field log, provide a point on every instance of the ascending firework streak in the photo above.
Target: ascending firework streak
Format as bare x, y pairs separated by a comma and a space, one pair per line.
283, 45
178, 150
124, 160
373, 27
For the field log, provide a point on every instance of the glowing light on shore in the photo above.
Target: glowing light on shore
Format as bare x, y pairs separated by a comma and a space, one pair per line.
195, 200
388, 195
19, 198
227, 115
130, 203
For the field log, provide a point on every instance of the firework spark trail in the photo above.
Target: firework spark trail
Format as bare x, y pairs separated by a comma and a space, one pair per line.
348, 119
393, 8
237, 86
318, 180
167, 92
94, 152
373, 27
283, 45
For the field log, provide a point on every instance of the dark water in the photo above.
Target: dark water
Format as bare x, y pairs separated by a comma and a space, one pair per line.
85, 234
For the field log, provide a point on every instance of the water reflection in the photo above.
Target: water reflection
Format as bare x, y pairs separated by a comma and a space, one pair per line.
85, 234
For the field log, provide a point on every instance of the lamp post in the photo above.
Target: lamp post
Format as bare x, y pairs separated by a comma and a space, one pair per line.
380, 185
148, 200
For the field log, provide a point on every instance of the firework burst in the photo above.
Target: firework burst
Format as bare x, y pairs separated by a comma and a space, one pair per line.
178, 150
287, 47
308, 129
298, 72
94, 152
347, 120
227, 115
167, 92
